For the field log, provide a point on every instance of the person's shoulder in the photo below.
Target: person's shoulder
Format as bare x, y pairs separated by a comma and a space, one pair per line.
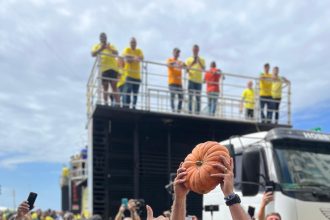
126, 50
96, 46
139, 51
113, 46
189, 59
169, 59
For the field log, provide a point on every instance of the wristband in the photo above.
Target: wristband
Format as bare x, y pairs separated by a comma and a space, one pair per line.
232, 199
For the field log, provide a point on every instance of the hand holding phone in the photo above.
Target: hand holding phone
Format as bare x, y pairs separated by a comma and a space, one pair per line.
31, 199
124, 202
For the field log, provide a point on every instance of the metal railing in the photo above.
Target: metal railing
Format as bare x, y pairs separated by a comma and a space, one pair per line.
154, 95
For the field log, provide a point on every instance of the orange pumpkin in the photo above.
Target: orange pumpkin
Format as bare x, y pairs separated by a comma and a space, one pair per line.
199, 167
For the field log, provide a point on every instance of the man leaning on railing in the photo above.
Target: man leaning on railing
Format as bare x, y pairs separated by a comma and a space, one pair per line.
277, 91
133, 57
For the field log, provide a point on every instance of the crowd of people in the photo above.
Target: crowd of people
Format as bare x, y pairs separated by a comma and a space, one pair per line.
23, 213
123, 73
225, 168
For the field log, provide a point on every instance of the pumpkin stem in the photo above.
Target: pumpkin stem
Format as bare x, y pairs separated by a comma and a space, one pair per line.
199, 163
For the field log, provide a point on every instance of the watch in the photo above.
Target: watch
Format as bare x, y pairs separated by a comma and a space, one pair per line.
232, 199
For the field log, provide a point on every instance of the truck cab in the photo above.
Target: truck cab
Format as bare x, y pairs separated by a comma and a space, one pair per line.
294, 164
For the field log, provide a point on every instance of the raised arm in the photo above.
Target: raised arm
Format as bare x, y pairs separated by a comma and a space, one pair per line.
180, 195
227, 187
266, 199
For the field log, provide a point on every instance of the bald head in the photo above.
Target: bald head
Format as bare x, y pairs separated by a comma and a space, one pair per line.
195, 50
133, 43
103, 38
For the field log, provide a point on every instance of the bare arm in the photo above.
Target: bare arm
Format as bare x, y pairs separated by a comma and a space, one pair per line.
180, 195
96, 52
227, 187
119, 215
266, 199
22, 210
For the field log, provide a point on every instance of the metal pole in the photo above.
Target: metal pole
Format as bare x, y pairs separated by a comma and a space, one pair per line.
289, 104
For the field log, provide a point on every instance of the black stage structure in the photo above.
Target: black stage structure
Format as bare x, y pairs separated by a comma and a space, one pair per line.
135, 151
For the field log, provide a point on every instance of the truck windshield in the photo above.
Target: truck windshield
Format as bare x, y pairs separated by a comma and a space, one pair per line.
304, 169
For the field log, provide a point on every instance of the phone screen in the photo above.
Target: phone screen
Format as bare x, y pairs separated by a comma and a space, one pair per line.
31, 199
124, 202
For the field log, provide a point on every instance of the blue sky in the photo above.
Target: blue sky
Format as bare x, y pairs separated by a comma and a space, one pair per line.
45, 62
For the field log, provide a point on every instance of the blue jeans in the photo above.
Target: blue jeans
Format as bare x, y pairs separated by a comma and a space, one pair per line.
212, 102
131, 86
266, 101
276, 108
194, 89
121, 93
176, 90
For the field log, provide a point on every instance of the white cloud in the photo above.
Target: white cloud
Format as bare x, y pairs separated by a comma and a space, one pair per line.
45, 53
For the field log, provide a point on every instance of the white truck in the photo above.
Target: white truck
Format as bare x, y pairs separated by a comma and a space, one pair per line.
294, 163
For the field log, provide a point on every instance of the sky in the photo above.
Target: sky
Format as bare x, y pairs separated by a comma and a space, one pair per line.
45, 63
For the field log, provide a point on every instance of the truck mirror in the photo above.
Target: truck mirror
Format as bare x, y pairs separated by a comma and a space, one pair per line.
250, 172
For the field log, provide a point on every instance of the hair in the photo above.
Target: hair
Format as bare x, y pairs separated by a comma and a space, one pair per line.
266, 64
274, 213
195, 45
276, 67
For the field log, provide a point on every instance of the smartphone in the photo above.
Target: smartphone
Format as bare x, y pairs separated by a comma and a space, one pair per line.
31, 199
269, 189
124, 202
251, 210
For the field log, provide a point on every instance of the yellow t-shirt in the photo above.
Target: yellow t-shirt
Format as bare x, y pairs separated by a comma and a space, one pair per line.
122, 78
266, 85
133, 69
196, 75
107, 61
248, 97
277, 88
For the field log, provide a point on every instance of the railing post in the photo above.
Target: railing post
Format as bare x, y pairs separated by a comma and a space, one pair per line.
98, 81
257, 108
289, 103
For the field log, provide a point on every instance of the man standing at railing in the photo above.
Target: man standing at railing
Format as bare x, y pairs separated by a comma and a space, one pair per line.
212, 79
133, 57
277, 91
266, 94
175, 79
195, 67
108, 66
248, 100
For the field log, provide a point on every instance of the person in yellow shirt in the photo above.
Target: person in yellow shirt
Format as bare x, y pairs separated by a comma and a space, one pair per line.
277, 91
108, 66
265, 84
174, 71
195, 67
133, 57
122, 78
248, 101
